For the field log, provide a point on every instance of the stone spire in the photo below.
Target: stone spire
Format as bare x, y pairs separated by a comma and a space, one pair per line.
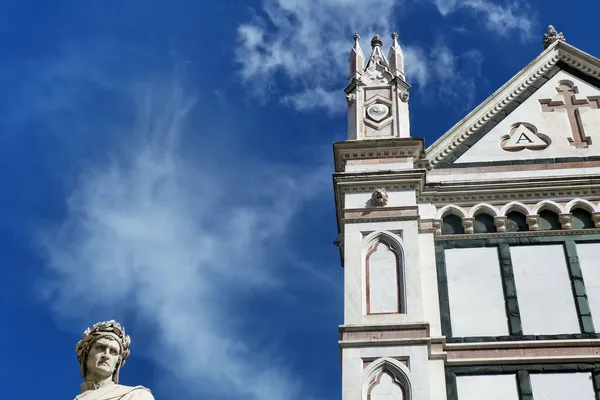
551, 36
396, 58
377, 95
377, 56
357, 59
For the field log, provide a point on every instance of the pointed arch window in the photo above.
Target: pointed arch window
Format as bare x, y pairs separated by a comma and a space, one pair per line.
384, 278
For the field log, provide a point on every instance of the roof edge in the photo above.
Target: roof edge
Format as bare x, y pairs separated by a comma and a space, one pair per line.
501, 98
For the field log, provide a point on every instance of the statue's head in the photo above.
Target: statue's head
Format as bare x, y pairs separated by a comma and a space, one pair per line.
103, 350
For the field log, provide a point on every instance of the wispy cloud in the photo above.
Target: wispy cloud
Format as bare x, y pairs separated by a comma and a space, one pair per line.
182, 243
308, 43
503, 18
456, 75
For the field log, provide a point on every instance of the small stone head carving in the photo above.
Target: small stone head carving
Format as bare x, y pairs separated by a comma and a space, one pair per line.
103, 350
379, 198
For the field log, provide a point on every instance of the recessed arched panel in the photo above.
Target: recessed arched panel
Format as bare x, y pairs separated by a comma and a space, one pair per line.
581, 219
386, 379
484, 223
452, 225
384, 279
516, 222
386, 387
549, 221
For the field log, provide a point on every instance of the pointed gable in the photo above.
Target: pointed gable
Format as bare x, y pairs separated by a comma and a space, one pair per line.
552, 105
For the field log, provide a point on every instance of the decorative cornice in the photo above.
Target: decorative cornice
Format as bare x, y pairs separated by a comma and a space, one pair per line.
498, 235
498, 191
507, 94
375, 149
362, 215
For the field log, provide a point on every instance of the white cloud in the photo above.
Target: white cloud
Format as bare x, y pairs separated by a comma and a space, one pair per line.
181, 243
503, 19
308, 42
330, 100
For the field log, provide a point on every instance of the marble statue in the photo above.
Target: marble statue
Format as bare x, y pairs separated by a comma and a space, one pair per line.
101, 352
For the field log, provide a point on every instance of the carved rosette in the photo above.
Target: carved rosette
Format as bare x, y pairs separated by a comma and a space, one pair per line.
379, 198
500, 223
468, 225
565, 221
534, 222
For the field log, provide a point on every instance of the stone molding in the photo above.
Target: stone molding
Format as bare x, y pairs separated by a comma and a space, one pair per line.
523, 352
498, 102
361, 215
569, 187
375, 149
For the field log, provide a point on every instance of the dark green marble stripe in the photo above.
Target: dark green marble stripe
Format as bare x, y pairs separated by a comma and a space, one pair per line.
582, 304
444, 298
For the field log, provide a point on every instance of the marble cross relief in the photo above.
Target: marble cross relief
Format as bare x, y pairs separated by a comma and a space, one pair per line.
569, 101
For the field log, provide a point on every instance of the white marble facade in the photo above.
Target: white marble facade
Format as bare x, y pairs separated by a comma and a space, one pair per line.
392, 343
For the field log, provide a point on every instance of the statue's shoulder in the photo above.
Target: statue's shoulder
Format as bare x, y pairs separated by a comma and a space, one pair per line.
117, 392
137, 393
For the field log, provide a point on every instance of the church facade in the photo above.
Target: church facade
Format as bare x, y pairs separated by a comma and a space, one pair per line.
472, 266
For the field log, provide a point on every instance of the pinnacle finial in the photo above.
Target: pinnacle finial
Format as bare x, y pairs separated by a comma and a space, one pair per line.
395, 39
376, 41
551, 36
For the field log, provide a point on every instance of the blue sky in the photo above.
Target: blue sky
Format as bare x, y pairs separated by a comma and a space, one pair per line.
168, 164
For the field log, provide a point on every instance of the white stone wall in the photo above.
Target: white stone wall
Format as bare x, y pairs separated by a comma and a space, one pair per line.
477, 305
544, 290
487, 387
555, 125
574, 386
589, 261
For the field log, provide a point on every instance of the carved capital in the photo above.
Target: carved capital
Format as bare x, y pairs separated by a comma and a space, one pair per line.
596, 219
500, 223
379, 198
533, 221
565, 221
437, 226
468, 224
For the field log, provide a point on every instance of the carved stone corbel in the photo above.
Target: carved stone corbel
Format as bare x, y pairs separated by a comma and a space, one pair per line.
468, 225
437, 226
565, 221
350, 98
379, 198
533, 221
596, 219
500, 223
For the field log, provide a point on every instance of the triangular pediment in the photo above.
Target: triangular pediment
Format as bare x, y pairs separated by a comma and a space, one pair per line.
549, 110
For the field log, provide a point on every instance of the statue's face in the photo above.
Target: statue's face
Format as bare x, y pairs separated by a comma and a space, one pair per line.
103, 358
